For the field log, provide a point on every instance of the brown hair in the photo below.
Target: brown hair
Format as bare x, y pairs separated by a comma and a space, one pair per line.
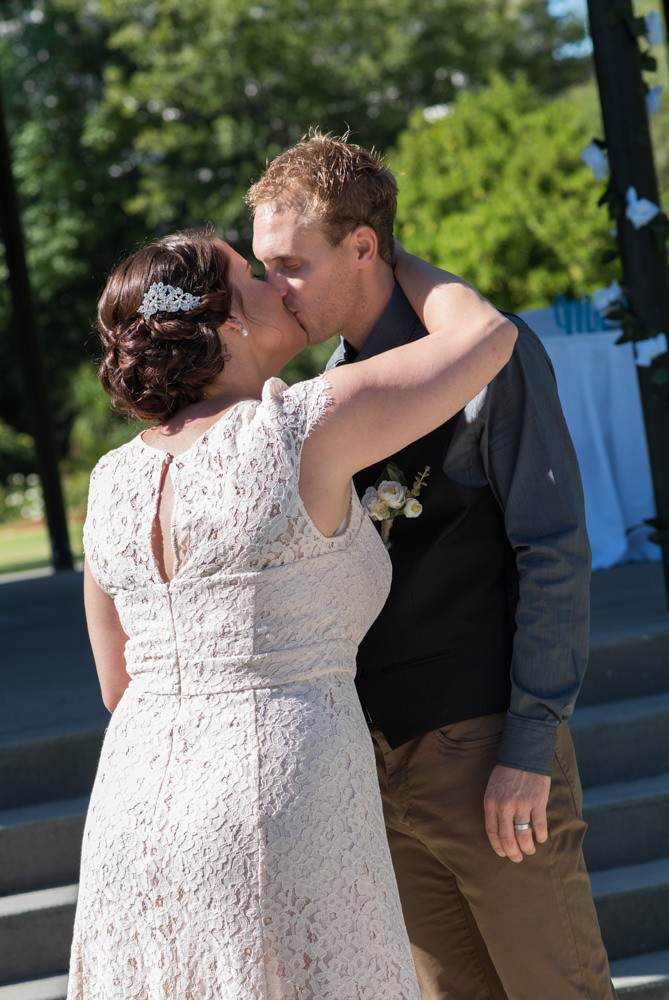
153, 366
336, 183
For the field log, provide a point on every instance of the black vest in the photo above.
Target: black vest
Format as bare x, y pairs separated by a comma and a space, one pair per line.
440, 651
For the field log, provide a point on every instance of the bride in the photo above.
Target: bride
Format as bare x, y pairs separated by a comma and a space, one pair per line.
234, 846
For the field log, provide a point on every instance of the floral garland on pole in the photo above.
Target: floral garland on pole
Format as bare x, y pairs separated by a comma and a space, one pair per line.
650, 345
611, 302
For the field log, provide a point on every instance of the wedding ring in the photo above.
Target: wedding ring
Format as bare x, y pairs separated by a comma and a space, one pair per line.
522, 826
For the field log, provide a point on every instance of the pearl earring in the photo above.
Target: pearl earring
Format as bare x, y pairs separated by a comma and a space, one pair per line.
245, 332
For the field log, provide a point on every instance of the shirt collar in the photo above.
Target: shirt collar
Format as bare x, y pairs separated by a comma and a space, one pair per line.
398, 324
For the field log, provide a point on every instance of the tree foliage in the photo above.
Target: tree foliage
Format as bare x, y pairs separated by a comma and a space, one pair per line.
132, 118
73, 219
495, 190
197, 95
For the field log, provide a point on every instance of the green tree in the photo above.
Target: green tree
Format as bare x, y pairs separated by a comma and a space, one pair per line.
73, 217
133, 118
496, 191
201, 93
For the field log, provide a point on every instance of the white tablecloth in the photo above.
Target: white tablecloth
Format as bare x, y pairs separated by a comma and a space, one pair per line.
598, 387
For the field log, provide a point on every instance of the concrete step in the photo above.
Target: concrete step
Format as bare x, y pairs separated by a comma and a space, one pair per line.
36, 933
644, 977
48, 765
627, 822
51, 988
632, 906
622, 740
630, 667
40, 845
623, 711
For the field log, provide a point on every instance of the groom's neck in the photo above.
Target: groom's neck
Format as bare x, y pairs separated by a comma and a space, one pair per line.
378, 294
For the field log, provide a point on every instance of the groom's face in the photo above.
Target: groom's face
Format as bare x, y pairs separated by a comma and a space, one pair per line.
320, 284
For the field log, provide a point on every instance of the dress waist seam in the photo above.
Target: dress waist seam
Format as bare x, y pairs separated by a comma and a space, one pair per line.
137, 687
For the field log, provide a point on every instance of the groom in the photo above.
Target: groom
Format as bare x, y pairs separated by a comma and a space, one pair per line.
470, 672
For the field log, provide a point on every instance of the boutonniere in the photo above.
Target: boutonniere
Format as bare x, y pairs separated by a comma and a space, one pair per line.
390, 497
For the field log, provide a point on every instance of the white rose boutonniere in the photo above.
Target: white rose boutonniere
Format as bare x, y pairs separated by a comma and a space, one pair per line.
390, 497
412, 508
392, 492
377, 509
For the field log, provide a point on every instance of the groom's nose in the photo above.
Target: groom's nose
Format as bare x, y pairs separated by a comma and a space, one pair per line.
276, 280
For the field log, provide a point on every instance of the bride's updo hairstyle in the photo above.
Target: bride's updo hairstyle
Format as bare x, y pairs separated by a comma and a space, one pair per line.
156, 364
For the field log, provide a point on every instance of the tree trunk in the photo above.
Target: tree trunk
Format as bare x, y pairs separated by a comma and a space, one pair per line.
30, 354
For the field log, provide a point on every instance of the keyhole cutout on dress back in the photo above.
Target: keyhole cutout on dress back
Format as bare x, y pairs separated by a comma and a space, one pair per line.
161, 531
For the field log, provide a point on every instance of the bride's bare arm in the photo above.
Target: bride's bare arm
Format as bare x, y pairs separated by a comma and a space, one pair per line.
107, 641
386, 402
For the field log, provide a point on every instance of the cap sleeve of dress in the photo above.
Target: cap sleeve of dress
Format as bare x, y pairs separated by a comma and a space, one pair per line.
111, 499
297, 408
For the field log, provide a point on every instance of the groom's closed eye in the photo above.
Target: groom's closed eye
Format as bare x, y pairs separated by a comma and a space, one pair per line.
287, 263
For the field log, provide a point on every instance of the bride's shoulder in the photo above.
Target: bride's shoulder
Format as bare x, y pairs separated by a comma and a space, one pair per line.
116, 456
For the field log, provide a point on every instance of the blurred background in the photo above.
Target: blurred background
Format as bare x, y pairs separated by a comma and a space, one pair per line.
129, 120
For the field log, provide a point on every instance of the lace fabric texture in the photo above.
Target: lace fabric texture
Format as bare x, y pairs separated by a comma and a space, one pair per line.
234, 847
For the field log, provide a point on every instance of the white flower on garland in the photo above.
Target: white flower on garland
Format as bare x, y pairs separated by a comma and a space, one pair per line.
653, 100
606, 299
646, 350
596, 159
654, 30
640, 211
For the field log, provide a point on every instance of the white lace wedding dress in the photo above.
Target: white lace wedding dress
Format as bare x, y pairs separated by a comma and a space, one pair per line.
234, 847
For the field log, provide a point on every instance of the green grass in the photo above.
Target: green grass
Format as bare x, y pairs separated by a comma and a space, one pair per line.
25, 546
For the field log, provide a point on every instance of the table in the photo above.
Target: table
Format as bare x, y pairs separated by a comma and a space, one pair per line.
599, 392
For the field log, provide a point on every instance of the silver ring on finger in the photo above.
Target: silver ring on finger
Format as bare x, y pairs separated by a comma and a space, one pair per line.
522, 826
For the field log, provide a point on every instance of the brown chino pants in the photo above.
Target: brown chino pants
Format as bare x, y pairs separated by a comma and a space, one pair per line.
483, 927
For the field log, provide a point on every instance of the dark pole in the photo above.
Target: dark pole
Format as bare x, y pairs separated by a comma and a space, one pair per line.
30, 355
644, 259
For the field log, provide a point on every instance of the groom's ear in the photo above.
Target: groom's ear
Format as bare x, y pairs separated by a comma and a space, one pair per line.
365, 245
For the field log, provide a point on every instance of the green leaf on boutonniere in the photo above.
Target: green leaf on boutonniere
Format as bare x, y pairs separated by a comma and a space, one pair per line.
393, 473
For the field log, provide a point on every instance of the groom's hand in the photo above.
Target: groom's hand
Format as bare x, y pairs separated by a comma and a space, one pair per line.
516, 797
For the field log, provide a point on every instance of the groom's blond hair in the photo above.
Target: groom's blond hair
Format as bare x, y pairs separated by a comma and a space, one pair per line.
333, 183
